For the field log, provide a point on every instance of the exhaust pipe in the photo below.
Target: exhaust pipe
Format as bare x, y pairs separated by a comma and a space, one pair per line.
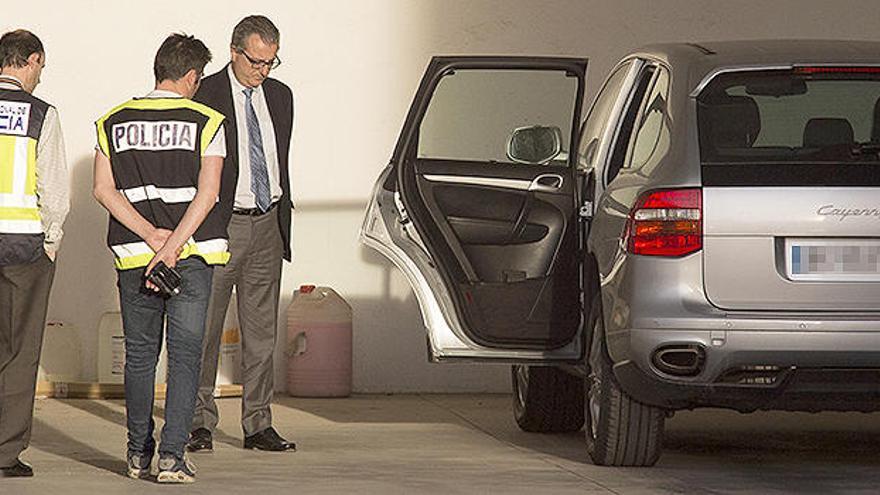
680, 359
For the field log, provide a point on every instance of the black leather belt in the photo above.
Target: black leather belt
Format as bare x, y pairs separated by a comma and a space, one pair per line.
253, 212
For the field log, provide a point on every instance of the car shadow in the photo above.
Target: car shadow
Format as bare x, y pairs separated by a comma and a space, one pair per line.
713, 451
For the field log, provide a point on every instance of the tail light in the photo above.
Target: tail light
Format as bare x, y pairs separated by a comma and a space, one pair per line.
666, 222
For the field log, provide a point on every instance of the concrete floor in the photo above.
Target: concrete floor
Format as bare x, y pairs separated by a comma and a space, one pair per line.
460, 444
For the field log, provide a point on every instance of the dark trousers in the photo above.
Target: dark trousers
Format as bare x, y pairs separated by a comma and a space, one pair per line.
255, 270
24, 299
143, 315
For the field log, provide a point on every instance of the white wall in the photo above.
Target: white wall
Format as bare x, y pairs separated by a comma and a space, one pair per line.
354, 65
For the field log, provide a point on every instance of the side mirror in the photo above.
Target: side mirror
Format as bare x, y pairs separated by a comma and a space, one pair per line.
535, 145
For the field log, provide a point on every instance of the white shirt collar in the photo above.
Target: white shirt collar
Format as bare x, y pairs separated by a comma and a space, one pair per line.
162, 93
237, 87
7, 79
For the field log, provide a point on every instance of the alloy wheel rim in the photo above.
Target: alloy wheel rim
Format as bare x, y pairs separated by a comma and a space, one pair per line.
595, 389
522, 384
593, 403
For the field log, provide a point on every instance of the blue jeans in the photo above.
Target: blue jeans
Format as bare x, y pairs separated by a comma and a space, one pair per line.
143, 313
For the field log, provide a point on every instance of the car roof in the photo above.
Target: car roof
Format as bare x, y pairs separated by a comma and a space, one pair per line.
699, 59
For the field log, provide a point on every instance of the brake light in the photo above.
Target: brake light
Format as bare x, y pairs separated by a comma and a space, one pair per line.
836, 70
666, 222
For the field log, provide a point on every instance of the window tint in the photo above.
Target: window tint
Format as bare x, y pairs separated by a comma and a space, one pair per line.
798, 127
597, 121
473, 113
789, 116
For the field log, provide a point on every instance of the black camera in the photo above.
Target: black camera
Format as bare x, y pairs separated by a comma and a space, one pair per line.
165, 278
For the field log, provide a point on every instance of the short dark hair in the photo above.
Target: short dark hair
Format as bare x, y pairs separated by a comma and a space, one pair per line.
255, 24
16, 46
179, 54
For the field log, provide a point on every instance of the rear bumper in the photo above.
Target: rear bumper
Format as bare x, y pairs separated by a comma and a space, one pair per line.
756, 369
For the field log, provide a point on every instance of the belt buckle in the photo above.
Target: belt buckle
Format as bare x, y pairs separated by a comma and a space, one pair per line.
253, 212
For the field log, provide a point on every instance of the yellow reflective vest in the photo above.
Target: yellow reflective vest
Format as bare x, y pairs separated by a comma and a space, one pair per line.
21, 121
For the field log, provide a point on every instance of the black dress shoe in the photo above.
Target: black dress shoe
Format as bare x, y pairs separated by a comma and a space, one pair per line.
17, 470
268, 439
200, 441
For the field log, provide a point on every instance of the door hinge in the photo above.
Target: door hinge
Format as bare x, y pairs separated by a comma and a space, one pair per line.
586, 210
401, 211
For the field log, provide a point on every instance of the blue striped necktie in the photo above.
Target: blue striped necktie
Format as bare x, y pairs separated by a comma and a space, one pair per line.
259, 172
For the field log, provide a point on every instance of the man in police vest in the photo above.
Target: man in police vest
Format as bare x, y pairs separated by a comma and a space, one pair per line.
157, 171
34, 199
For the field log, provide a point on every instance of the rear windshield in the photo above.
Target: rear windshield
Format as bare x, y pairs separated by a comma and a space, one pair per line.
803, 126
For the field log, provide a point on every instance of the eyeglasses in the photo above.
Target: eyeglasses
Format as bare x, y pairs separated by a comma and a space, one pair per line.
259, 64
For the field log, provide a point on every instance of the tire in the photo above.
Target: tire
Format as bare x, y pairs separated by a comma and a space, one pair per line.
547, 399
620, 431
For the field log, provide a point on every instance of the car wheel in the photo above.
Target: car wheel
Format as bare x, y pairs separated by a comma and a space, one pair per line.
547, 399
620, 431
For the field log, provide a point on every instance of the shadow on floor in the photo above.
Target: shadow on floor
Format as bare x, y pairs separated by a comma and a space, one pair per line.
761, 452
101, 410
703, 450
407, 408
52, 439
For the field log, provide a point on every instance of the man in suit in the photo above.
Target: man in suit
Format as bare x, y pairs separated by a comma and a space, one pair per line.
255, 200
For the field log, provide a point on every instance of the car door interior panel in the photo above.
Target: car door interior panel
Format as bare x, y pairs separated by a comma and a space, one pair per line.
505, 235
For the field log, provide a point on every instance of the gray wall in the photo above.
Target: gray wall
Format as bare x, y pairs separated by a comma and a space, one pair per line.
354, 66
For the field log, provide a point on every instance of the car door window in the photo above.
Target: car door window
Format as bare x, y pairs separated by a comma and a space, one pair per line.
474, 112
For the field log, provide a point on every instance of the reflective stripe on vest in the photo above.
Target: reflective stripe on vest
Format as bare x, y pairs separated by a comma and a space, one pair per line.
139, 254
19, 213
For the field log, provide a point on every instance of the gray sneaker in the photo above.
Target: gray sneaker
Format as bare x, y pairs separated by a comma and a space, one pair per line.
139, 465
173, 469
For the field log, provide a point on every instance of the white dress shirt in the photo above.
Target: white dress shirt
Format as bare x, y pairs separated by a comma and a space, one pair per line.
244, 198
218, 143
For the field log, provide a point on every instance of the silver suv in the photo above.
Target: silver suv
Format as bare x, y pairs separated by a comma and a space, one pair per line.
708, 237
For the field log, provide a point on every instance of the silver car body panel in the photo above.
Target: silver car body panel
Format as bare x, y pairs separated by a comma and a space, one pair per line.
746, 256
643, 312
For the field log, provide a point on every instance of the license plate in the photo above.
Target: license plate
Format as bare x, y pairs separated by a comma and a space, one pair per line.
837, 260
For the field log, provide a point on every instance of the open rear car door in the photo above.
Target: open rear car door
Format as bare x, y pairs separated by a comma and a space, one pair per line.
479, 208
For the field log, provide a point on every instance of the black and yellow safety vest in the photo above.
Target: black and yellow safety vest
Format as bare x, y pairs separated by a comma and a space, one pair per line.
155, 147
21, 122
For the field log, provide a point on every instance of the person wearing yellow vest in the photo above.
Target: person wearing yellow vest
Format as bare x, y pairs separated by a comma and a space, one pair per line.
157, 171
34, 200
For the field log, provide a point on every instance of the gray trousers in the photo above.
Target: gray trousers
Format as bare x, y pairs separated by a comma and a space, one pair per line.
24, 299
255, 270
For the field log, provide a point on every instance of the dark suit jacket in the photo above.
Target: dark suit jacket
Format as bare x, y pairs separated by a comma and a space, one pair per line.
216, 92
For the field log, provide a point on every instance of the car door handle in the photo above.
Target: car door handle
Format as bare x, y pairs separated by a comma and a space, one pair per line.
546, 183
